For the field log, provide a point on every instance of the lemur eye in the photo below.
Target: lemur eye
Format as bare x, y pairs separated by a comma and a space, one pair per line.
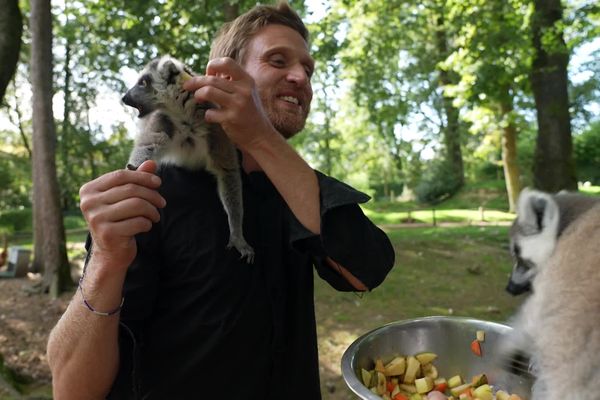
144, 80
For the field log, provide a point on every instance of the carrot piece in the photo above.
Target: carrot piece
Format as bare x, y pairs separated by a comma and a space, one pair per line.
476, 347
400, 396
390, 387
441, 387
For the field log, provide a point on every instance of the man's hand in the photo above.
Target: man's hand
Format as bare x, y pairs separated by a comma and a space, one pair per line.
117, 206
239, 109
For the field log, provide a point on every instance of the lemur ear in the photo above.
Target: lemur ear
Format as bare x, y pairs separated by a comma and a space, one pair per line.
170, 71
536, 211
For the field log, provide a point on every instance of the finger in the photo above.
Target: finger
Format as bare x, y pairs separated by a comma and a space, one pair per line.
122, 177
126, 209
125, 228
148, 166
226, 66
213, 95
131, 190
199, 82
215, 116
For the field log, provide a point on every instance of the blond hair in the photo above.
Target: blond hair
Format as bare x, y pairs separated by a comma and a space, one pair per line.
233, 37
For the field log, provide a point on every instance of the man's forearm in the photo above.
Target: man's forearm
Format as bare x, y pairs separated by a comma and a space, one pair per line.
297, 183
83, 351
293, 178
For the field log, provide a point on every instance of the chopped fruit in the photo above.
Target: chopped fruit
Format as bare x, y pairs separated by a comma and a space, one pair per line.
395, 367
476, 347
413, 366
426, 358
480, 336
424, 385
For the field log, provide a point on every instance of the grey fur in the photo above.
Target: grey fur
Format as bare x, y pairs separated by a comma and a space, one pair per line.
172, 130
542, 219
558, 326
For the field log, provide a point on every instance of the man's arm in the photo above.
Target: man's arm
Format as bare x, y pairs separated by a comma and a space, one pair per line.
243, 118
117, 206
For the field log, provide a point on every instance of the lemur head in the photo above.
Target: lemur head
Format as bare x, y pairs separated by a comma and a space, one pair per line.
541, 219
159, 82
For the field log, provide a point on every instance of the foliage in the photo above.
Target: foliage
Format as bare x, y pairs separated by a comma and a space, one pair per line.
436, 184
16, 220
587, 154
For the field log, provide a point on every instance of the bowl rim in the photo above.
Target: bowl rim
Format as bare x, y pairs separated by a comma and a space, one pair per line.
348, 373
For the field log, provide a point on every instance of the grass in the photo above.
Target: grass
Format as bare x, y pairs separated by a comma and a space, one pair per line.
438, 271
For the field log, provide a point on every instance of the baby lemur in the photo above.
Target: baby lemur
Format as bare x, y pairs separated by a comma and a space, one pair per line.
172, 130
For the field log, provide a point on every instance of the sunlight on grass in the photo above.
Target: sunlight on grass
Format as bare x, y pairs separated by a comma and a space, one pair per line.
427, 216
593, 190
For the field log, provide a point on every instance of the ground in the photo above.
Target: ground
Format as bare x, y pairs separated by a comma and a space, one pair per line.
25, 321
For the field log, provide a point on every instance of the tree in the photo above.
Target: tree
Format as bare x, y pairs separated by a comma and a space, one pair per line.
492, 59
11, 28
554, 167
50, 251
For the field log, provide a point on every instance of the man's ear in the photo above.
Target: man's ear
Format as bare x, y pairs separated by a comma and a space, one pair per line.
537, 211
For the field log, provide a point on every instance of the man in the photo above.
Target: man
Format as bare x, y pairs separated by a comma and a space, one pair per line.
197, 322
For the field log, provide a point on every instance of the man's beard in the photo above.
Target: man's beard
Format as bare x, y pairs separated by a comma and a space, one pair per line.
287, 124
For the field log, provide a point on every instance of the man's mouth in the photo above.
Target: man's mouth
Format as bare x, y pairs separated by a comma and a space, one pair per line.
290, 99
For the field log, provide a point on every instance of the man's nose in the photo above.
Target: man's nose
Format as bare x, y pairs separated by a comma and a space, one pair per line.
298, 75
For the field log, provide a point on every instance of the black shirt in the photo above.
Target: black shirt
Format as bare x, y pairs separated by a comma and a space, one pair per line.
199, 323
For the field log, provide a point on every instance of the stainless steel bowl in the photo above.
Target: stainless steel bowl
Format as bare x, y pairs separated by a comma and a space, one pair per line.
449, 337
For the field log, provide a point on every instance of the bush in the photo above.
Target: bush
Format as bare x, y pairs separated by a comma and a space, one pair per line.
16, 220
437, 183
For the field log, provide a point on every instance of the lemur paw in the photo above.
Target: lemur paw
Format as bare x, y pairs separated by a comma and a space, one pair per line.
246, 251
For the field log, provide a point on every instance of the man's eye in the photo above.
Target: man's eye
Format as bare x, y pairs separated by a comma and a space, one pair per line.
278, 62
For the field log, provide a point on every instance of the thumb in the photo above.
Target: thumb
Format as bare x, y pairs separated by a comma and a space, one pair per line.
148, 166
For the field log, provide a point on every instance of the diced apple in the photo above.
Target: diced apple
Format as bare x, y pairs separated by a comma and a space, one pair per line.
395, 367
405, 387
484, 392
424, 385
412, 367
379, 366
479, 380
381, 383
366, 377
457, 390
502, 395
456, 380
480, 336
430, 370
426, 357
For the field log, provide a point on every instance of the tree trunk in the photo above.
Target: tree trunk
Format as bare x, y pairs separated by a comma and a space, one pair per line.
452, 140
509, 154
554, 167
49, 231
11, 28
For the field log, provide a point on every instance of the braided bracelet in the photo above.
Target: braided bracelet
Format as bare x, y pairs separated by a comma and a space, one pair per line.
101, 313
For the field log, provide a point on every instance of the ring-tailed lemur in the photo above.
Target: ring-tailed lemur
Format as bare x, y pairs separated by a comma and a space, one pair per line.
172, 130
541, 220
557, 330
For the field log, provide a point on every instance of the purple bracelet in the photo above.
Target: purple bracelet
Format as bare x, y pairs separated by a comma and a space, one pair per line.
101, 313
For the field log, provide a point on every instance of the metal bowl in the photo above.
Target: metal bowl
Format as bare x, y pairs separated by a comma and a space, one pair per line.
448, 337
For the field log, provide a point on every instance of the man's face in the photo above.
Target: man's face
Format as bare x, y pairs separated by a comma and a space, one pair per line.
278, 60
